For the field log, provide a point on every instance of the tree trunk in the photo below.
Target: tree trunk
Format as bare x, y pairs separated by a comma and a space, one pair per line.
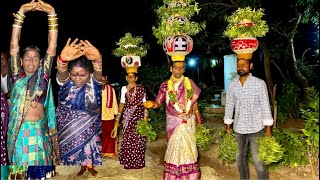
279, 69
267, 71
302, 80
271, 86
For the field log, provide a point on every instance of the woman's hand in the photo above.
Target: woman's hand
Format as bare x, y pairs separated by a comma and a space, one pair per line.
71, 51
31, 6
91, 52
148, 104
198, 124
42, 6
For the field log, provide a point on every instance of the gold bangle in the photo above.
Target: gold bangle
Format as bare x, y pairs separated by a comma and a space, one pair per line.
97, 66
21, 15
18, 22
52, 22
53, 28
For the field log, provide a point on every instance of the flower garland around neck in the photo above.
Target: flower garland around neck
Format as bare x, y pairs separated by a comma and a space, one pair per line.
173, 96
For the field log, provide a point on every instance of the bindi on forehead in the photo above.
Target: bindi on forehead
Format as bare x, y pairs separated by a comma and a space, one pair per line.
79, 70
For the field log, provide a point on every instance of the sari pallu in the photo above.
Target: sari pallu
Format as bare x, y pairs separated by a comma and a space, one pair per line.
22, 144
79, 128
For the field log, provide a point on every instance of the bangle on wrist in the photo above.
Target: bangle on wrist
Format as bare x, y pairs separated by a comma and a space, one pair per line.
153, 104
20, 14
53, 22
61, 60
198, 118
97, 66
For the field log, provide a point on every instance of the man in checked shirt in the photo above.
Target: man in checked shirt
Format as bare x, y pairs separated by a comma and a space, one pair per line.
248, 108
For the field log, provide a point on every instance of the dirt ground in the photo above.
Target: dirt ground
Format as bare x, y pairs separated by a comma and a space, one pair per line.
211, 169
210, 159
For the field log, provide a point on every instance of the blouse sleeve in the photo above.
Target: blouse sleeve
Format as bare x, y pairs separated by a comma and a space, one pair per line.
123, 94
46, 71
15, 67
162, 93
114, 103
144, 99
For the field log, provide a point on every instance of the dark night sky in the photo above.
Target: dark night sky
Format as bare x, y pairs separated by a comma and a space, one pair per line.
102, 25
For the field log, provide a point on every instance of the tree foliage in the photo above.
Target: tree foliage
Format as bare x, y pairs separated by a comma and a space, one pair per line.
152, 76
237, 28
175, 18
131, 45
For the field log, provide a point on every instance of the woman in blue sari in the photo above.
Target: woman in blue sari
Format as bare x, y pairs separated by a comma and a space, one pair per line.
79, 109
32, 134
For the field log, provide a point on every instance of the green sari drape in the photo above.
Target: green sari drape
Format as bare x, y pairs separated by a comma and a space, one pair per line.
22, 95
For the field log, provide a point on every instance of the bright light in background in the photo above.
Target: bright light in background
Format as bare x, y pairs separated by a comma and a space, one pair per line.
192, 62
213, 62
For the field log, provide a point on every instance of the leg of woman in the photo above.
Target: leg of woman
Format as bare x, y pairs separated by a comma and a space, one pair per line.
82, 171
92, 171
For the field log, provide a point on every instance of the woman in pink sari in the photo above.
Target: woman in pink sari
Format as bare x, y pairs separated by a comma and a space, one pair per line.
180, 95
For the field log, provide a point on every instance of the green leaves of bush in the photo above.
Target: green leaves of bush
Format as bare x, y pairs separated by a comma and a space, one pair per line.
270, 151
204, 138
144, 128
137, 47
174, 26
228, 149
259, 28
